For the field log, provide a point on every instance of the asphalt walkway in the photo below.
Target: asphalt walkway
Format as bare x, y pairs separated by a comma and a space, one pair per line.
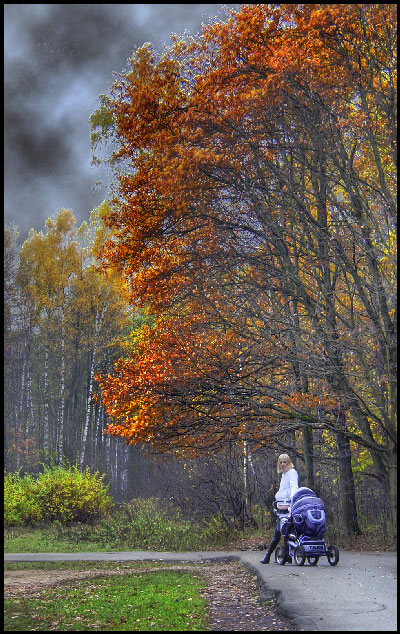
359, 594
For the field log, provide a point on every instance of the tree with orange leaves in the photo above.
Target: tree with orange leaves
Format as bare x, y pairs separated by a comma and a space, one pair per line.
254, 217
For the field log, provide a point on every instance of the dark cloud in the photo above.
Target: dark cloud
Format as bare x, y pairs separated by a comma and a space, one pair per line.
58, 59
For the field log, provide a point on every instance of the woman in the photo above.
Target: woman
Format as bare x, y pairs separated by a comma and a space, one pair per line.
289, 485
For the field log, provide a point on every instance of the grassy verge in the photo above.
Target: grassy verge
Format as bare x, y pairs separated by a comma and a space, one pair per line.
117, 534
77, 566
139, 525
163, 601
46, 540
71, 540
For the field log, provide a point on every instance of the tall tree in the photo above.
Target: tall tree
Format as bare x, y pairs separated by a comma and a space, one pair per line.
259, 156
64, 320
47, 264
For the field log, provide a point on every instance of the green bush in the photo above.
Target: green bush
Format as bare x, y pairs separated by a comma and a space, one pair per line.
59, 493
21, 506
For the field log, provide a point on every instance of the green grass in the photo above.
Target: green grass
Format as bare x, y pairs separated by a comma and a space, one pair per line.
161, 601
119, 532
149, 524
44, 540
48, 540
87, 565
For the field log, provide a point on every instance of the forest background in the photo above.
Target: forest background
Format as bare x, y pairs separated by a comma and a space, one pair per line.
235, 298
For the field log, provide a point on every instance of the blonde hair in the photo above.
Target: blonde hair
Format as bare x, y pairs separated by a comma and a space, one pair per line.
284, 456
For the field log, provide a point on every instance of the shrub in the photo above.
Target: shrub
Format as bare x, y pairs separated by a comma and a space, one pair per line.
67, 495
59, 493
155, 525
21, 506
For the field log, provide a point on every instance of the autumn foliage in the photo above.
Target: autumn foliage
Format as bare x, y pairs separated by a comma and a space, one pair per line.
254, 223
62, 319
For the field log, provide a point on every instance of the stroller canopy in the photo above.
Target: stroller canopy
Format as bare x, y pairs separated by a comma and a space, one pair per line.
308, 513
303, 492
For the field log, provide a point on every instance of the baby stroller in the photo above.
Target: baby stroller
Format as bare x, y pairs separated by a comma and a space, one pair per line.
303, 529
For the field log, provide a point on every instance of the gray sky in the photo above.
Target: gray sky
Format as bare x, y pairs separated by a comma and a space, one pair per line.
58, 59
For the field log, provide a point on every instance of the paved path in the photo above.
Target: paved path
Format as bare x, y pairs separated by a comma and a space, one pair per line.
359, 594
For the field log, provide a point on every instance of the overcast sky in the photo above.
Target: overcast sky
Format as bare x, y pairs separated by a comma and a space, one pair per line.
58, 59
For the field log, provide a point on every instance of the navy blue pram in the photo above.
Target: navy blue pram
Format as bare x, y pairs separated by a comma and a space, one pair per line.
303, 530
308, 513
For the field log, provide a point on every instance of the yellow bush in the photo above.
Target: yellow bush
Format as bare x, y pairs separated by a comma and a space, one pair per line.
59, 493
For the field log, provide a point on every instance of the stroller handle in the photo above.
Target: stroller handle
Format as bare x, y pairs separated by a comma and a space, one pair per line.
282, 504
281, 507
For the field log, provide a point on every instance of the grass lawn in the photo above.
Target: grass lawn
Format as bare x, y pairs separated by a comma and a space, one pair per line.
161, 601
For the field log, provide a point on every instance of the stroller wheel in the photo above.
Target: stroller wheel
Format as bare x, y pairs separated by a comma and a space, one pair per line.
333, 554
281, 555
299, 555
312, 560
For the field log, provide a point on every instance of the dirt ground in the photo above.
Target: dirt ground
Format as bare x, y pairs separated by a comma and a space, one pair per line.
232, 593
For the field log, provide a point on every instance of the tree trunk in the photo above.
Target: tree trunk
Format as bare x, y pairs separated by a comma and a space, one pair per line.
30, 401
29, 432
46, 406
308, 456
96, 429
346, 481
124, 471
392, 466
108, 456
88, 402
245, 483
62, 405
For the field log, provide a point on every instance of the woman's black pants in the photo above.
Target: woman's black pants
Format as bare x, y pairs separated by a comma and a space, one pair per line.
275, 539
273, 544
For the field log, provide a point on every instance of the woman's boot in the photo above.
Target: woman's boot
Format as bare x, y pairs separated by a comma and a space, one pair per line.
272, 546
267, 557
